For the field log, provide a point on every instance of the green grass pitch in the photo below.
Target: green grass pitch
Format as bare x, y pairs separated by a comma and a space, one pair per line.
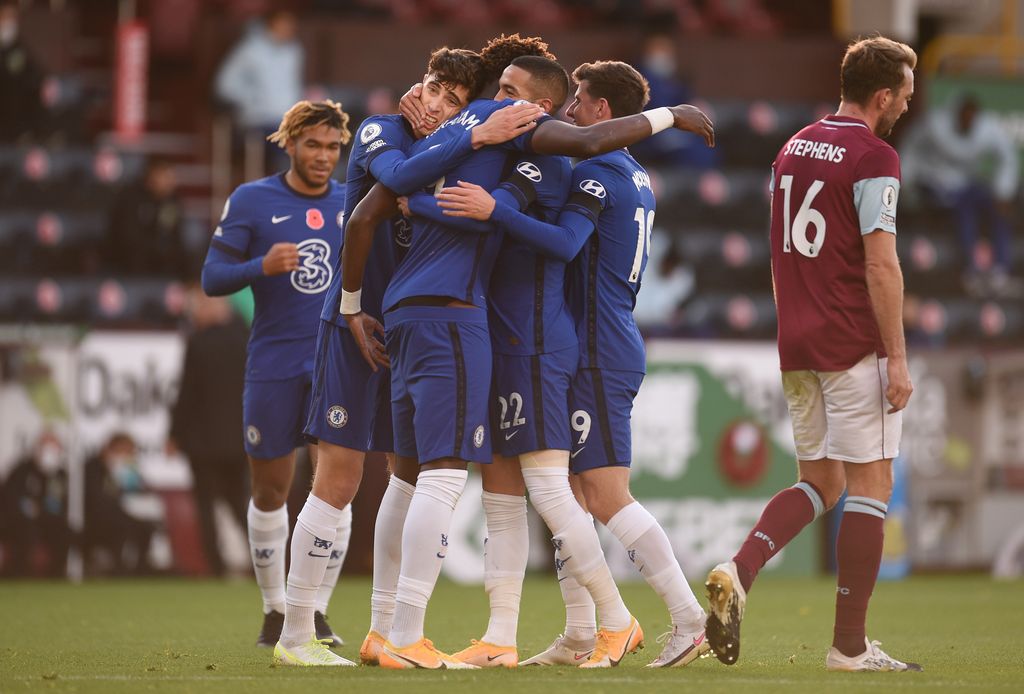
197, 636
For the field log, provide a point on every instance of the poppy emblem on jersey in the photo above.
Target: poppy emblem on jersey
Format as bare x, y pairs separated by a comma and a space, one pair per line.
889, 197
315, 269
403, 232
252, 435
341, 219
478, 436
530, 170
314, 219
337, 417
371, 131
593, 187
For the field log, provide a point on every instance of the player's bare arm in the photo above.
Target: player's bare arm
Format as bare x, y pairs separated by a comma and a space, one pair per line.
282, 257
885, 287
374, 208
558, 137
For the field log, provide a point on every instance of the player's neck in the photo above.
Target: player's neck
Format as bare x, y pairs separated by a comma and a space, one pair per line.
851, 110
296, 183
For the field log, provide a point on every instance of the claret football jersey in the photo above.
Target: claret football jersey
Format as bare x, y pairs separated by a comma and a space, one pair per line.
832, 183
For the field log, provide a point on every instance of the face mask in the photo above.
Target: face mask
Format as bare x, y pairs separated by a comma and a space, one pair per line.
8, 32
49, 458
661, 64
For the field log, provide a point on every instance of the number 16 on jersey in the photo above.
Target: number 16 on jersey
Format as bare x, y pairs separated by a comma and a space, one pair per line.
805, 216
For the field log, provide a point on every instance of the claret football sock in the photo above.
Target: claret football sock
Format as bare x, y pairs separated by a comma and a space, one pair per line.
505, 555
387, 553
337, 561
651, 552
268, 537
312, 540
424, 547
858, 555
782, 519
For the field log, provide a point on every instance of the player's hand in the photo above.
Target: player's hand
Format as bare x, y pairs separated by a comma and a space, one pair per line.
466, 200
403, 205
411, 107
692, 119
364, 328
281, 258
899, 389
506, 124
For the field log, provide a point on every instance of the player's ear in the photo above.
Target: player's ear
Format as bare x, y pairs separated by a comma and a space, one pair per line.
603, 109
545, 104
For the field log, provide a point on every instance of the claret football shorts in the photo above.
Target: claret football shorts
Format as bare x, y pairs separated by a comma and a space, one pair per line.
843, 415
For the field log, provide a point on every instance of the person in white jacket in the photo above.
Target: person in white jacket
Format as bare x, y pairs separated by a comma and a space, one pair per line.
950, 156
262, 77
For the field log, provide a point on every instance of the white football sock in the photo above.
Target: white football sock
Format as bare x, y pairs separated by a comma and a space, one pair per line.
649, 549
312, 541
338, 553
387, 553
424, 546
505, 555
580, 618
579, 549
268, 536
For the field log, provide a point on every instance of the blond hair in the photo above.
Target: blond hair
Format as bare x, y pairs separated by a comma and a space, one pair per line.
308, 114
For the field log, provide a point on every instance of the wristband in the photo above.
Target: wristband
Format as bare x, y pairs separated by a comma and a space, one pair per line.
350, 303
660, 118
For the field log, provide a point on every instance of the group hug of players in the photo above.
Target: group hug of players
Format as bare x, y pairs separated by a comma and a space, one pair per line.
480, 311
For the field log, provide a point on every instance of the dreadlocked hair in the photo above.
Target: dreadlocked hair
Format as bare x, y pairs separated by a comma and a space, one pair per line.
308, 114
499, 53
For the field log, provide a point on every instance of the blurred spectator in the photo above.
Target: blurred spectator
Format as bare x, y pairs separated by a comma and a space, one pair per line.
36, 506
146, 234
207, 418
671, 147
111, 477
20, 79
946, 157
667, 284
261, 78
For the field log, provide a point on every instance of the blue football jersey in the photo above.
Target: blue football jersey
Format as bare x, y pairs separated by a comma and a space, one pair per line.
528, 311
287, 307
606, 275
377, 135
443, 261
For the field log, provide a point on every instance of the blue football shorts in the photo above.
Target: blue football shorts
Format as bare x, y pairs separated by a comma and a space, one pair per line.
600, 405
273, 413
351, 405
440, 382
530, 401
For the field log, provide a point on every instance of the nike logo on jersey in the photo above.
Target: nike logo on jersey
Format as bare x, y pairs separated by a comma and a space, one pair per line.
576, 453
511, 434
277, 220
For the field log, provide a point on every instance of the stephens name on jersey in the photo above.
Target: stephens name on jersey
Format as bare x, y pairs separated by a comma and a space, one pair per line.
833, 182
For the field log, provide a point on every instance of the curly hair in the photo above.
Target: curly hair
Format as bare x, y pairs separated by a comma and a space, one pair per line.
499, 53
308, 114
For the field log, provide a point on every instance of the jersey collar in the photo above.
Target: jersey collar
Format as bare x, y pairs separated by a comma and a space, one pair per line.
843, 121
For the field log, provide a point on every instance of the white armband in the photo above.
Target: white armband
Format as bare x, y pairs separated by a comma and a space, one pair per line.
350, 303
660, 118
